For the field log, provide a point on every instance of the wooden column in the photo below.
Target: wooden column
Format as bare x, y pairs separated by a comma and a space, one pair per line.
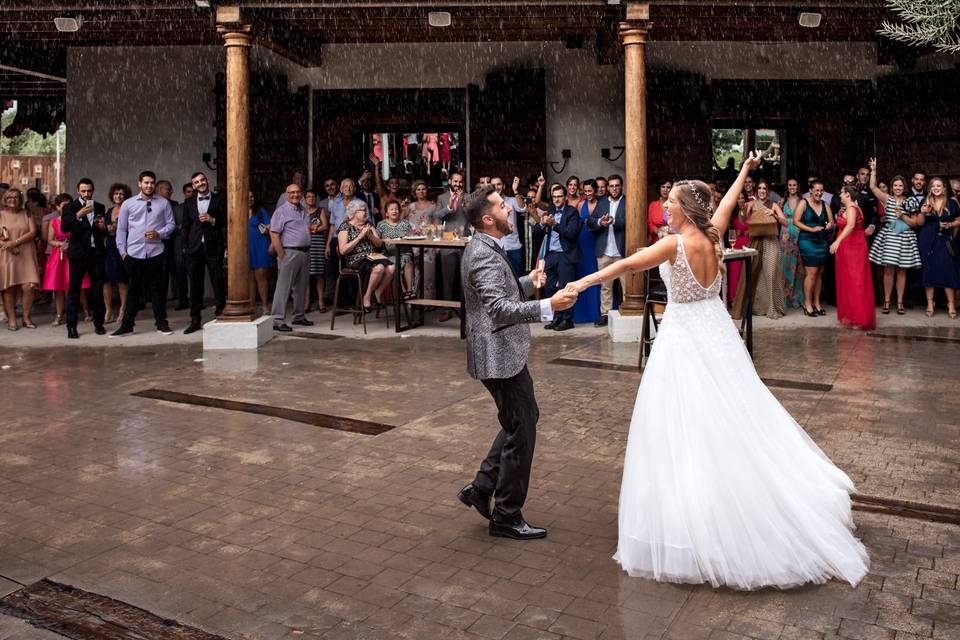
633, 36
239, 306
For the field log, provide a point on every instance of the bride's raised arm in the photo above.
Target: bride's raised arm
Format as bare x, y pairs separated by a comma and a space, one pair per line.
721, 217
660, 252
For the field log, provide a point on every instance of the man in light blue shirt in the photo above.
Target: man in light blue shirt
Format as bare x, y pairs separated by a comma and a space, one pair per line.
145, 221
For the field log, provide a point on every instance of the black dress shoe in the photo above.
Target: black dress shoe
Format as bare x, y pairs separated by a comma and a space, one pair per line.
602, 322
566, 325
283, 326
471, 496
550, 326
72, 333
193, 328
122, 330
303, 322
518, 531
99, 330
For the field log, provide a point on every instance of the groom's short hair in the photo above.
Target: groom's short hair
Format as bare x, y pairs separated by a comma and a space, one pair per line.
478, 204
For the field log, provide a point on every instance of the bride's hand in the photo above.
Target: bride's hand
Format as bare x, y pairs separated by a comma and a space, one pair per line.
576, 286
752, 161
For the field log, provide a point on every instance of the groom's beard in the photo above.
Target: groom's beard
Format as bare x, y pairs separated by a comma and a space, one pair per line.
504, 227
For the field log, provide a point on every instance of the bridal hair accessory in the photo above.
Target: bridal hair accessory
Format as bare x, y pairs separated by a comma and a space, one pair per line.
696, 195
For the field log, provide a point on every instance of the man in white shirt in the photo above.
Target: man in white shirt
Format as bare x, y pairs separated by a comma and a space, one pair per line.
608, 222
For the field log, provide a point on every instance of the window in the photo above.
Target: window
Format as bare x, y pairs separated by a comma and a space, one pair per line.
728, 152
38, 169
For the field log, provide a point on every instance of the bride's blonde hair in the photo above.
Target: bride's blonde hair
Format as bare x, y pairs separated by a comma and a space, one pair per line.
696, 202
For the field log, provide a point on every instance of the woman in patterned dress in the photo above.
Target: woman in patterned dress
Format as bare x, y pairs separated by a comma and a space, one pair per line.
895, 247
420, 214
319, 221
767, 273
792, 262
392, 227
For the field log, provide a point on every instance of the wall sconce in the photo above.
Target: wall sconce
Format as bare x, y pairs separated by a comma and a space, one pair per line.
605, 154
565, 154
209, 161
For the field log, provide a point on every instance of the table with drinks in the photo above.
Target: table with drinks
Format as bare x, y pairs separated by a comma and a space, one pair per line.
433, 238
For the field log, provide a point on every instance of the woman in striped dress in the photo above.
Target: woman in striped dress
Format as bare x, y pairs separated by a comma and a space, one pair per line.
319, 221
895, 247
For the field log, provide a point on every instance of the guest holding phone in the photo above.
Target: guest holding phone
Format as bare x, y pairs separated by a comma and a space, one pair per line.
85, 222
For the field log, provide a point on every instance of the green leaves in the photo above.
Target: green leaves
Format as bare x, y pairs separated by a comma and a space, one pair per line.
925, 23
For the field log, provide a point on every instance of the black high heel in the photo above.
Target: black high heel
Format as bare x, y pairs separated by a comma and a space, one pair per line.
810, 314
821, 312
886, 307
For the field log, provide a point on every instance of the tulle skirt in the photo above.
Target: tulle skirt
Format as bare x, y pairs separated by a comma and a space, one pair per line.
720, 483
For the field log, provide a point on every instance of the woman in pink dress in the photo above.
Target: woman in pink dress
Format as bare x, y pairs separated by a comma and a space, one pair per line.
431, 152
56, 276
855, 305
741, 229
443, 142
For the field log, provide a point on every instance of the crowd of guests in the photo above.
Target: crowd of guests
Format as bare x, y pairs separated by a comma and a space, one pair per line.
812, 246
872, 240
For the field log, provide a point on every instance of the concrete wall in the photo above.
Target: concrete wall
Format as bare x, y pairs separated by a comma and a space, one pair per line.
131, 109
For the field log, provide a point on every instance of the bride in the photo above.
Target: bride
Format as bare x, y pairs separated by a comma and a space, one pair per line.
720, 483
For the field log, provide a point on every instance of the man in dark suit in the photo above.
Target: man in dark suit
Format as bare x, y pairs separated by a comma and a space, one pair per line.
165, 190
85, 221
561, 226
608, 222
181, 261
203, 217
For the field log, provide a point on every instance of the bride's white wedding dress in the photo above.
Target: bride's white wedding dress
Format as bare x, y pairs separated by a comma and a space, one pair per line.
720, 483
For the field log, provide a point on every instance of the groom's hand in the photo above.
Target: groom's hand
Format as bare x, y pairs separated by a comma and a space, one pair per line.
563, 299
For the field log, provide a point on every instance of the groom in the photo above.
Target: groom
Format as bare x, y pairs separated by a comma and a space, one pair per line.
498, 340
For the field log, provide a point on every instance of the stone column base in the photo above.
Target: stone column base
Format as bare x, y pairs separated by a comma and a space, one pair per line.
237, 335
622, 328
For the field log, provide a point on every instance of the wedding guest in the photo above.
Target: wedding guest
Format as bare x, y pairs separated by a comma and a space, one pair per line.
388, 191
450, 209
855, 305
793, 295
181, 261
319, 223
741, 232
165, 190
298, 177
85, 222
955, 189
601, 187
762, 217
145, 220
561, 227
938, 247
574, 196
587, 307
511, 242
394, 227
369, 196
358, 239
826, 197
114, 272
56, 275
867, 203
918, 184
204, 215
749, 188
337, 214
421, 213
290, 238
895, 247
815, 221
18, 259
262, 261
608, 225
656, 224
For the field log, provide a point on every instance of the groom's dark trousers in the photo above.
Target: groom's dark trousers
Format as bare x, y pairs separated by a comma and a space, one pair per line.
505, 472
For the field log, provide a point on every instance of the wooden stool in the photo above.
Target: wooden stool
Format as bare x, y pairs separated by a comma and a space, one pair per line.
359, 315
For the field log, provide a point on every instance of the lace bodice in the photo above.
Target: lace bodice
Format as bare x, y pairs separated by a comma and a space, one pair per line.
682, 285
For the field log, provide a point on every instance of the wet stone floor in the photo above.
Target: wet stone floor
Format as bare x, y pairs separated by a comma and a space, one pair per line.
247, 525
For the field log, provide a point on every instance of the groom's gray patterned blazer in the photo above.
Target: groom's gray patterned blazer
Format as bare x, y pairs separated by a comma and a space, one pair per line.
498, 338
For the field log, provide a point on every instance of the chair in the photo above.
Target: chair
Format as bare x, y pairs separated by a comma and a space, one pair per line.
359, 315
655, 303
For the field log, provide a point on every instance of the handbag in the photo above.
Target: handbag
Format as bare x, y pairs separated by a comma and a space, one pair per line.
762, 228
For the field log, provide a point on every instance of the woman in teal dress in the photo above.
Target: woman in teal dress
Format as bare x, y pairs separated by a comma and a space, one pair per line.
815, 221
790, 251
